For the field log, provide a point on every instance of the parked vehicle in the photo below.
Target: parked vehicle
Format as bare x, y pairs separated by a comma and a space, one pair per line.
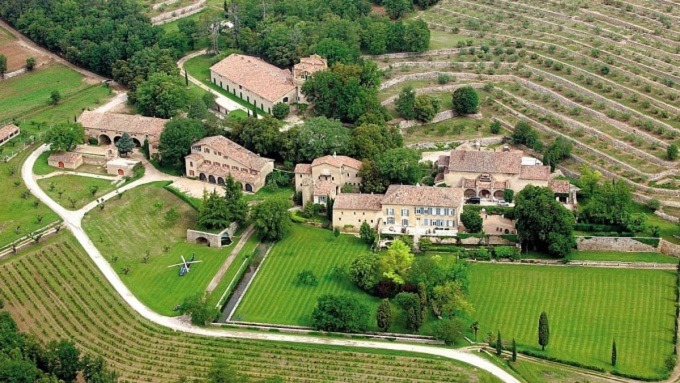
503, 203
473, 200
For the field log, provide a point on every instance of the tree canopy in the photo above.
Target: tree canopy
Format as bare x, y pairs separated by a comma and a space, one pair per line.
465, 100
125, 145
369, 140
400, 166
176, 139
65, 136
544, 222
341, 313
396, 263
162, 95
271, 219
318, 137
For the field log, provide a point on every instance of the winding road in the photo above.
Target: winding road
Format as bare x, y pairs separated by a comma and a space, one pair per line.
73, 220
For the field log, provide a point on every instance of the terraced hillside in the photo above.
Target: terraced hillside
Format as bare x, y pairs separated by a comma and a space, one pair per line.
55, 291
605, 74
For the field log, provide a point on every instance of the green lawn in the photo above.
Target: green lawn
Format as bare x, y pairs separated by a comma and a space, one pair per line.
274, 297
621, 257
24, 97
668, 229
440, 39
226, 282
265, 193
16, 211
587, 309
41, 167
134, 224
75, 188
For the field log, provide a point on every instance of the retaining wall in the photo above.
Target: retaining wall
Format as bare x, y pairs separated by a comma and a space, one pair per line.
623, 244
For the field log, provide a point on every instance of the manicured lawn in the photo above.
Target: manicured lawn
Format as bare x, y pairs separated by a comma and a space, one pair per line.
274, 297
16, 211
621, 257
265, 193
134, 224
226, 282
41, 167
75, 188
587, 309
668, 229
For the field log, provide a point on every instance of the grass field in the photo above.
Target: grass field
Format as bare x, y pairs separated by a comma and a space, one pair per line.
55, 291
587, 309
274, 297
535, 372
264, 193
16, 210
615, 256
134, 224
75, 188
229, 277
42, 167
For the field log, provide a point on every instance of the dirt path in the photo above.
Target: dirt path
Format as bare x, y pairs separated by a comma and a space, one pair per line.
230, 259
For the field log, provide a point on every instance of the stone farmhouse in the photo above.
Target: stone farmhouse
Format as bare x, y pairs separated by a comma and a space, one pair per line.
325, 177
8, 132
108, 128
65, 160
403, 209
261, 84
486, 174
213, 158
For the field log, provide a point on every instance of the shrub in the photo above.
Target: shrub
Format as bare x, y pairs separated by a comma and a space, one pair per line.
341, 313
506, 252
306, 278
495, 127
281, 110
443, 78
465, 100
654, 204
472, 221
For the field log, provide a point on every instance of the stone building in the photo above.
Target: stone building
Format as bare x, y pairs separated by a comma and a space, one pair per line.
213, 158
486, 174
325, 177
108, 128
261, 84
403, 209
65, 160
121, 167
8, 132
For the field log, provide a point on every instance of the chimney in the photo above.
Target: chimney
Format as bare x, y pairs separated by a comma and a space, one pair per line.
334, 155
506, 148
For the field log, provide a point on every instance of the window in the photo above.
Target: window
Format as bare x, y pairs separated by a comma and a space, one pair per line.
404, 212
285, 99
191, 163
322, 199
389, 212
390, 220
426, 222
191, 172
437, 211
240, 87
220, 84
206, 150
404, 222
227, 87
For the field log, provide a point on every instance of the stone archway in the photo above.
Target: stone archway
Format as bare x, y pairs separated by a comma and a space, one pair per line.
61, 164
104, 139
249, 188
211, 179
201, 177
469, 193
116, 139
203, 241
498, 194
484, 193
137, 143
220, 181
121, 172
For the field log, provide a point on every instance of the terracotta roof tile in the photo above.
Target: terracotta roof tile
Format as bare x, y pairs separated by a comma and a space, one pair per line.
303, 169
233, 150
324, 188
534, 172
443, 160
311, 64
7, 130
356, 201
423, 196
485, 162
337, 161
256, 75
132, 124
68, 157
559, 186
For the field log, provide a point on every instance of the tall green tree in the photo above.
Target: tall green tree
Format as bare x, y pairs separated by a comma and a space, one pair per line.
371, 179
410, 305
176, 139
162, 95
514, 350
614, 354
222, 372
125, 145
397, 8
405, 103
384, 315
524, 134
465, 101
450, 330
319, 136
397, 262
65, 136
449, 298
543, 330
369, 140
271, 219
672, 152
261, 136
544, 222
197, 307
367, 233
214, 213
236, 205
63, 359
499, 344
426, 108
400, 166
341, 313
3, 65
558, 151
364, 271
472, 221
589, 180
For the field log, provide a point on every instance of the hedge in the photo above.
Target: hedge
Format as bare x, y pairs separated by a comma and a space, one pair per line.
193, 202
506, 211
596, 227
648, 378
648, 241
510, 237
558, 360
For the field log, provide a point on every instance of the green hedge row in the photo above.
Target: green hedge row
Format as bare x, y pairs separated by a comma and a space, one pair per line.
506, 211
649, 241
597, 227
193, 202
558, 360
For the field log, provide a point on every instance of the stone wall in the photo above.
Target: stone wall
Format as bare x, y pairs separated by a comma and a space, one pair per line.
213, 239
92, 159
624, 244
178, 13
668, 248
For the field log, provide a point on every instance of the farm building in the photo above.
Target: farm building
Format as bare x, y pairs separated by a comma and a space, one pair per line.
121, 167
8, 132
261, 84
325, 177
213, 158
108, 128
65, 160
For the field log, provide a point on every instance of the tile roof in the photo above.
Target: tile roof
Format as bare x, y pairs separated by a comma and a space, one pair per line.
423, 196
485, 162
324, 188
256, 75
303, 169
337, 161
443, 160
559, 186
357, 201
311, 64
534, 172
68, 157
234, 151
7, 130
220, 171
131, 124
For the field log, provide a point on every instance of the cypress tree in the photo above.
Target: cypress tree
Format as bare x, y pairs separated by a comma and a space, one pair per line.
514, 350
543, 330
614, 353
186, 77
499, 344
384, 315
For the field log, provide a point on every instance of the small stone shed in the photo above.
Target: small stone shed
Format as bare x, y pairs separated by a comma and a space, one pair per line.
215, 240
65, 160
8, 132
121, 167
